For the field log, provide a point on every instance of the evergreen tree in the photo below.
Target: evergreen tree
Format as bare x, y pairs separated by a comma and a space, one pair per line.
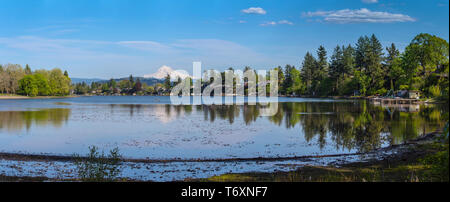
320, 73
281, 79
167, 82
374, 68
138, 86
308, 66
336, 68
361, 53
392, 66
288, 80
131, 82
27, 70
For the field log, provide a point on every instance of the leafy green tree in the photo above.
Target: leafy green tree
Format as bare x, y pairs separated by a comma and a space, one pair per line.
112, 83
42, 84
425, 61
28, 86
362, 80
105, 88
297, 85
59, 84
124, 84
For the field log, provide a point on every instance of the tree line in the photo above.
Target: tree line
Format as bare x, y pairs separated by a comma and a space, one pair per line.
23, 81
364, 69
130, 86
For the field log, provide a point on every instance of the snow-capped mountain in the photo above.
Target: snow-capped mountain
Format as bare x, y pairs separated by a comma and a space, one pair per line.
164, 70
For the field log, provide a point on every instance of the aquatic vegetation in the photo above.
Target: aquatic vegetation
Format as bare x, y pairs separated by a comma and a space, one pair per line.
97, 166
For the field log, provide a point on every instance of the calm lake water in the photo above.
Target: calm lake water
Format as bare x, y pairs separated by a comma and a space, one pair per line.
149, 127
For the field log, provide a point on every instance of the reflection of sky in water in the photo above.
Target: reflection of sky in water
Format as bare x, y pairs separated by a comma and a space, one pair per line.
146, 127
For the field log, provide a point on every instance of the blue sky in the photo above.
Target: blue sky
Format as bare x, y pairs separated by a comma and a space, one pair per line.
115, 38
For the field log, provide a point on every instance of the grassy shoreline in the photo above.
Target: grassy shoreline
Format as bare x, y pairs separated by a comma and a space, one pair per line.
412, 165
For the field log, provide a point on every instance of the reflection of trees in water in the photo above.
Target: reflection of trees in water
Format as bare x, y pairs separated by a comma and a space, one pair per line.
17, 120
350, 125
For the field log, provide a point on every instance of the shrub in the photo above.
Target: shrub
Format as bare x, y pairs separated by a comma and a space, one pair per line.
97, 166
435, 91
404, 87
382, 91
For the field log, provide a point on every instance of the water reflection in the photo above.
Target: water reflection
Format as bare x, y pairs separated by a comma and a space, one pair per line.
18, 120
349, 125
355, 125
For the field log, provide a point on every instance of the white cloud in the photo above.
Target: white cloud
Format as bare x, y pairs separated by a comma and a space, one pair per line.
39, 44
106, 59
285, 22
273, 23
370, 1
242, 21
145, 45
362, 15
254, 10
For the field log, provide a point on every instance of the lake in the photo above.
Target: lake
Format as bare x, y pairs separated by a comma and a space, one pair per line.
152, 128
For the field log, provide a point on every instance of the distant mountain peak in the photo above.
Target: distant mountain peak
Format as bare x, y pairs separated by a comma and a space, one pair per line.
164, 70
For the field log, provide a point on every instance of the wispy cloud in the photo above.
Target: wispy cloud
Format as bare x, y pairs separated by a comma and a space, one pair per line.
285, 22
370, 1
146, 46
362, 15
273, 23
40, 44
254, 10
55, 29
115, 58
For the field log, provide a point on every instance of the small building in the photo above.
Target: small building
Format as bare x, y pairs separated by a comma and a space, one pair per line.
401, 93
413, 94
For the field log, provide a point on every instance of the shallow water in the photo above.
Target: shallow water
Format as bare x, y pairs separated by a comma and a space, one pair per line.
149, 127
